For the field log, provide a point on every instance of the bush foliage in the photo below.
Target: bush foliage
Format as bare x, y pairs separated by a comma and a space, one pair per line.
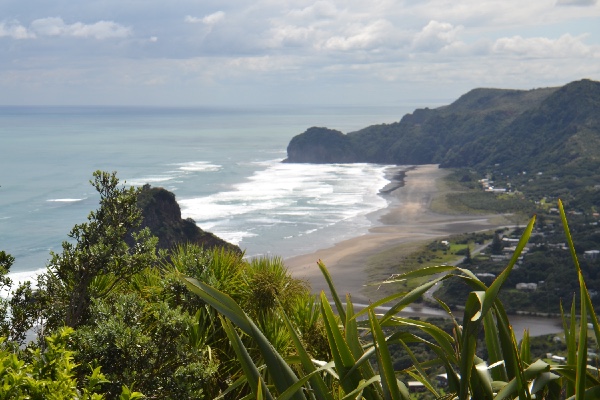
361, 368
207, 324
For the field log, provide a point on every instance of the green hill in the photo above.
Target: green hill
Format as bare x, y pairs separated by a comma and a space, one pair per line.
551, 134
540, 129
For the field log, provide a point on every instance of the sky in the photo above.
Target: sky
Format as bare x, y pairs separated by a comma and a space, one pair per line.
296, 52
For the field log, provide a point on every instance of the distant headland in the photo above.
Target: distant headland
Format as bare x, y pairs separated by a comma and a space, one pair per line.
548, 129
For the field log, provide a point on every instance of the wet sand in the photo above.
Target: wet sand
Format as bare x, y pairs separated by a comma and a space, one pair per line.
408, 218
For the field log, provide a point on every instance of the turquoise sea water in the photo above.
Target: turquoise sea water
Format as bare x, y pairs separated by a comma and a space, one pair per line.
223, 164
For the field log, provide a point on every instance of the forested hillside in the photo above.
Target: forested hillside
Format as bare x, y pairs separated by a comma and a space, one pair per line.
110, 318
550, 130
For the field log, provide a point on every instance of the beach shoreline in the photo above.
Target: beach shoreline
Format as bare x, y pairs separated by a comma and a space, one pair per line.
408, 218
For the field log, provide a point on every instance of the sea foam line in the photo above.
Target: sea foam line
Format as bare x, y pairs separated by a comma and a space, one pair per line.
304, 194
65, 200
175, 175
198, 166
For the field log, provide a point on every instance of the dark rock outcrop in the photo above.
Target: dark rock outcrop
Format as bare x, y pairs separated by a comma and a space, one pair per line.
162, 215
321, 146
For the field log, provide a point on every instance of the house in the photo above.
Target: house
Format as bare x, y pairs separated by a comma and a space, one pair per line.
509, 250
560, 246
559, 359
442, 380
495, 190
591, 254
526, 286
416, 386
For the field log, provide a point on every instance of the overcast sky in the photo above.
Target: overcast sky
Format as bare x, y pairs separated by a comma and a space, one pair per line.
238, 52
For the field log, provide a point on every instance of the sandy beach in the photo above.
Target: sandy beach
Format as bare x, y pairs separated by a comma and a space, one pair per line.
408, 218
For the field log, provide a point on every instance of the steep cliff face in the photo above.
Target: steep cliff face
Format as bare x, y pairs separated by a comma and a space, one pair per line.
321, 146
526, 129
162, 216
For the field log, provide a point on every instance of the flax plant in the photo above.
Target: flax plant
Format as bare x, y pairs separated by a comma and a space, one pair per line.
361, 367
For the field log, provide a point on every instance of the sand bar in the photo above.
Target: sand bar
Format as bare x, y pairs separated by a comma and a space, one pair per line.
408, 218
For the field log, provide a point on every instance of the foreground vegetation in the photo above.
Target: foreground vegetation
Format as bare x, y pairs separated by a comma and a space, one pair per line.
364, 369
116, 320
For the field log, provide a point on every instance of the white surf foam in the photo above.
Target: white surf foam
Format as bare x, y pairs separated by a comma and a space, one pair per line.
21, 277
65, 200
149, 179
176, 175
233, 237
287, 194
198, 166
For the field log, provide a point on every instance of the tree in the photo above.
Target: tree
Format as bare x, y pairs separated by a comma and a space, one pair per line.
50, 373
143, 342
6, 261
19, 309
496, 246
99, 258
468, 259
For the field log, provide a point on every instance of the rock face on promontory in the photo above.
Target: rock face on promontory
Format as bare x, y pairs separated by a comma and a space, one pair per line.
548, 129
321, 146
162, 215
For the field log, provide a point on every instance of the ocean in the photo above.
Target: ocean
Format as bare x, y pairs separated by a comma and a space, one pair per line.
223, 164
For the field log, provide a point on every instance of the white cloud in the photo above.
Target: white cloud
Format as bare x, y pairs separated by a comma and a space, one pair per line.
436, 35
290, 35
493, 15
214, 18
337, 44
210, 19
361, 37
49, 26
15, 30
566, 46
55, 26
192, 20
318, 10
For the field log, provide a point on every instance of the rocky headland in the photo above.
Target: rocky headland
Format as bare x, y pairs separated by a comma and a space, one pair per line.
162, 215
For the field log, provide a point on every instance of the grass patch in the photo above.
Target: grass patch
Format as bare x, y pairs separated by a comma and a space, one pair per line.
446, 187
459, 194
485, 202
387, 263
411, 256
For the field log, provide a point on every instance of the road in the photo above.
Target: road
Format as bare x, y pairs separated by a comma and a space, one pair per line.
538, 326
428, 295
